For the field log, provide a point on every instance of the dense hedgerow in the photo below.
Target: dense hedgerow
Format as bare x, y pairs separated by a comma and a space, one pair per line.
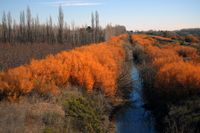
179, 77
143, 39
177, 67
92, 66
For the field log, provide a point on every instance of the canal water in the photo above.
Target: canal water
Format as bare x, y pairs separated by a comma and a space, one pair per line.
133, 117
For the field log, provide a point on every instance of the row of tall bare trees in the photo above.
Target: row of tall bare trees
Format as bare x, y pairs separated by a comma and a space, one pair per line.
30, 30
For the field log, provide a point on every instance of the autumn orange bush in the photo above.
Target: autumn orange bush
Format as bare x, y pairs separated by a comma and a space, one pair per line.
143, 39
183, 51
179, 77
174, 73
161, 56
118, 39
92, 66
192, 38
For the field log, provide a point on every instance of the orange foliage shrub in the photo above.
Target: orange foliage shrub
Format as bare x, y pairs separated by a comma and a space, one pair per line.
183, 51
192, 38
93, 66
179, 77
143, 39
118, 39
160, 56
174, 74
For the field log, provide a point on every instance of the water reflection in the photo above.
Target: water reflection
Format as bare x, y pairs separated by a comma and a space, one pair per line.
133, 117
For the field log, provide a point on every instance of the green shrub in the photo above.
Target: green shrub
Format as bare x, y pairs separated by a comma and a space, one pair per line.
47, 130
84, 114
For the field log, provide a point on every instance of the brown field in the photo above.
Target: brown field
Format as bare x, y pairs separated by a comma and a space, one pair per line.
19, 54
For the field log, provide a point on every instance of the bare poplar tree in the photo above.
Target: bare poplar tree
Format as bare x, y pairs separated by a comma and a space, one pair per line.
93, 28
51, 32
4, 27
14, 31
28, 18
109, 32
9, 24
60, 25
22, 26
96, 26
73, 34
37, 29
47, 34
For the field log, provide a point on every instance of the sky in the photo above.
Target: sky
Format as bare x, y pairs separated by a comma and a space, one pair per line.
134, 14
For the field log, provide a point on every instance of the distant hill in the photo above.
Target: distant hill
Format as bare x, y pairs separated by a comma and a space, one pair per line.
192, 31
180, 34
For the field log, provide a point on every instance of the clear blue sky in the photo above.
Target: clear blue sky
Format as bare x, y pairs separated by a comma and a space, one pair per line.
134, 14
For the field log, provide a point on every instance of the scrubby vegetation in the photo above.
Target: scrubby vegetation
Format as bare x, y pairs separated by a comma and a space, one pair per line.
177, 66
169, 70
94, 66
62, 76
71, 91
71, 111
170, 73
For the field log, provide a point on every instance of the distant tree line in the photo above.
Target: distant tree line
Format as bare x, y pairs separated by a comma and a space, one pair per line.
114, 31
185, 35
30, 30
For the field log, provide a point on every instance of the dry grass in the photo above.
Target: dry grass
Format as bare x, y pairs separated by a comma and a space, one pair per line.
36, 114
26, 116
